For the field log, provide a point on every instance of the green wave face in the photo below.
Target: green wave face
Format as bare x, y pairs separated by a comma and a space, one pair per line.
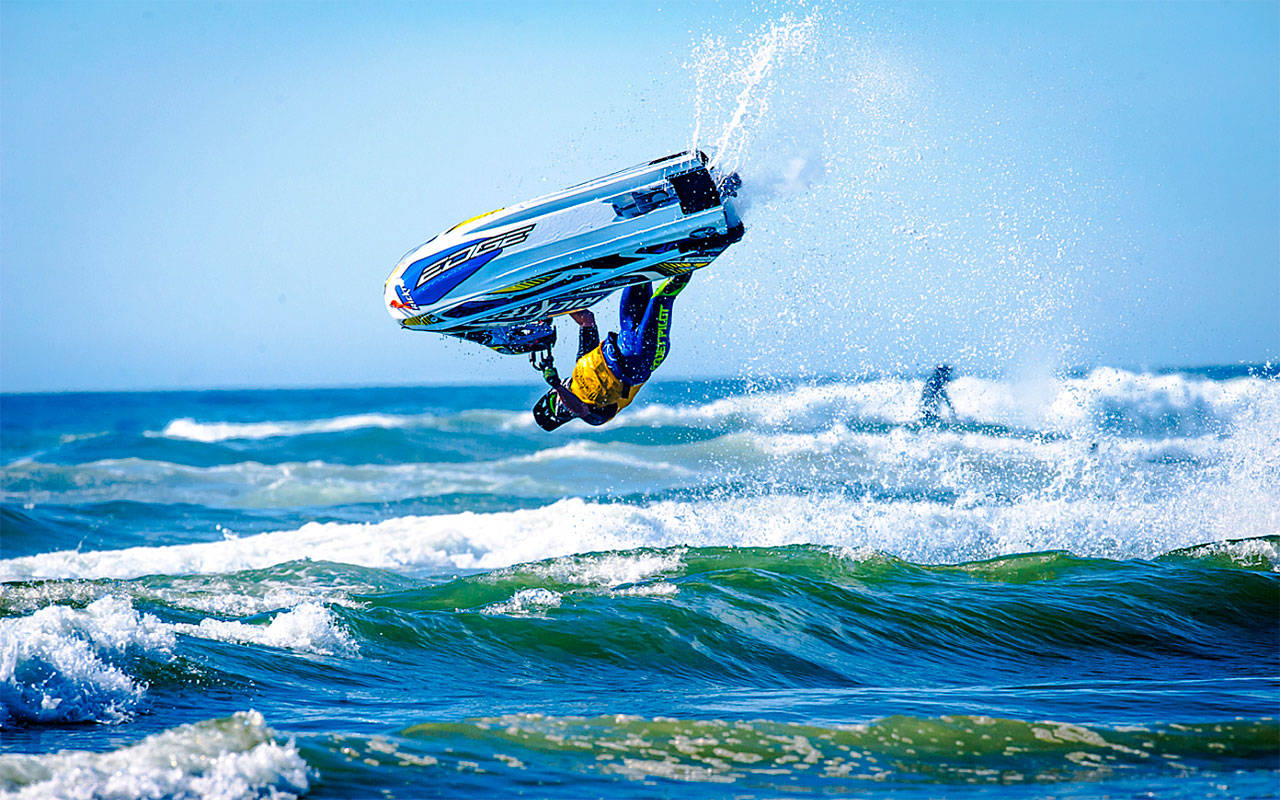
852, 634
801, 614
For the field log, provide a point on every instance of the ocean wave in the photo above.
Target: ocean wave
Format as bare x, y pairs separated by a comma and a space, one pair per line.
525, 601
808, 616
307, 627
904, 463
797, 617
583, 453
250, 484
1107, 400
919, 530
189, 429
1112, 436
240, 594
896, 461
1138, 404
801, 615
234, 758
60, 664
67, 664
1262, 553
247, 484
843, 565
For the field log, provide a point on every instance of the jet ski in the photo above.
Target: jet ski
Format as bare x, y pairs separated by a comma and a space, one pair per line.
499, 278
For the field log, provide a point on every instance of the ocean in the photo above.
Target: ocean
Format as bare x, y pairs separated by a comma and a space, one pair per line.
736, 589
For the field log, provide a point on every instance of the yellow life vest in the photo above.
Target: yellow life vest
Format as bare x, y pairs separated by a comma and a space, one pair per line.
596, 385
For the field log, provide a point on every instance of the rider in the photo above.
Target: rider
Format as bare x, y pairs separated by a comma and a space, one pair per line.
935, 394
608, 374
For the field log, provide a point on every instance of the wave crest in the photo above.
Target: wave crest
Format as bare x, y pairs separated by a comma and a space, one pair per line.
221, 759
60, 664
208, 432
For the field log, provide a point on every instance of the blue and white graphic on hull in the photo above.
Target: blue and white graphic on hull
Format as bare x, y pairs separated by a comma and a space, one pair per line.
496, 278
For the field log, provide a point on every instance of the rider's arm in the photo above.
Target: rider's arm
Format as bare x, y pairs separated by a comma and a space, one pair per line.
580, 409
588, 340
588, 333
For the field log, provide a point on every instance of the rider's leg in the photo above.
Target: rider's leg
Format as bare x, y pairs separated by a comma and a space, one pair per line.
631, 311
656, 325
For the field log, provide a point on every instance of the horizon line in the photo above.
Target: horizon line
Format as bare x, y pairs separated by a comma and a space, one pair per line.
1266, 369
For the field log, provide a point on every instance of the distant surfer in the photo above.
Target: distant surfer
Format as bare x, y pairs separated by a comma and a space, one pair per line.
935, 394
609, 373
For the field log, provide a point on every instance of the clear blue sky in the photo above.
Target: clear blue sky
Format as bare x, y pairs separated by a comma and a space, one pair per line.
212, 194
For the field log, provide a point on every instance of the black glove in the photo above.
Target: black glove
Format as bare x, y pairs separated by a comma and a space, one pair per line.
549, 375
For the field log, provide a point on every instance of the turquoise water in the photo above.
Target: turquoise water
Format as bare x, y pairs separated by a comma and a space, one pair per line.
734, 590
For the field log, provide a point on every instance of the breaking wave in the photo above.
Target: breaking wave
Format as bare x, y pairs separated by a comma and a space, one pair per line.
923, 531
67, 664
1106, 400
62, 664
191, 430
795, 615
234, 758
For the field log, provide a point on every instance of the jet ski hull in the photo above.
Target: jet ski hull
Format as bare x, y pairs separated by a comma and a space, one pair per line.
493, 276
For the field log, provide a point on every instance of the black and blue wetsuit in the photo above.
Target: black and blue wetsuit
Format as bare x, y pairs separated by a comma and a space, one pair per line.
644, 335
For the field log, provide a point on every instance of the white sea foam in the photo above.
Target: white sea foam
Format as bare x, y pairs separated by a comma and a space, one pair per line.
583, 453
866, 426
247, 484
309, 627
919, 530
57, 665
192, 430
887, 400
659, 589
1261, 552
68, 438
226, 596
250, 484
1112, 463
239, 600
63, 664
234, 758
1106, 400
610, 569
524, 602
